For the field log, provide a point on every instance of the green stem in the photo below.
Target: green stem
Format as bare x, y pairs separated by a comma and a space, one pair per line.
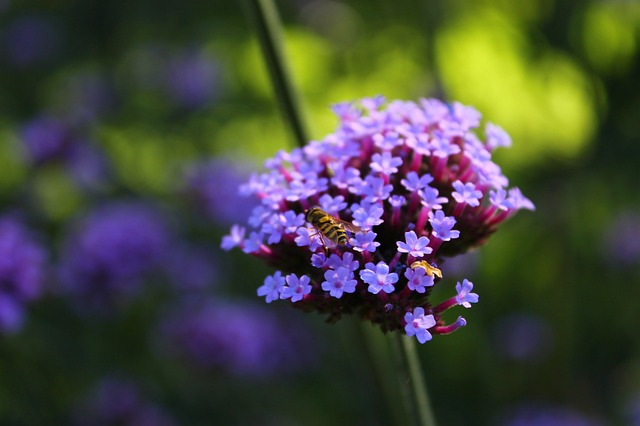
378, 353
412, 381
264, 17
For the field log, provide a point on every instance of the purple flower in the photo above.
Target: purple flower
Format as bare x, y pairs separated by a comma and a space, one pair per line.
519, 201
414, 183
234, 239
373, 189
397, 201
496, 136
388, 141
308, 237
338, 282
464, 296
332, 205
253, 243
346, 261
418, 280
429, 198
367, 215
466, 193
385, 164
417, 324
22, 263
365, 242
110, 252
416, 247
88, 166
47, 138
442, 147
296, 289
442, 226
272, 287
409, 170
192, 79
319, 260
379, 278
499, 199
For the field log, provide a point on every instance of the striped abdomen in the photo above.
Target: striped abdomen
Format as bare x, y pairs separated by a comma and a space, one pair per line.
327, 225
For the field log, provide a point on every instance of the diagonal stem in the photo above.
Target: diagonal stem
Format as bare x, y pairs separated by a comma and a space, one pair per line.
264, 18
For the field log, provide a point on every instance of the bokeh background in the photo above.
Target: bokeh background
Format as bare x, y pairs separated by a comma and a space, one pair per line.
126, 127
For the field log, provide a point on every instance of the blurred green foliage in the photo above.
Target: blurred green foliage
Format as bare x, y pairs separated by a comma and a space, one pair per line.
560, 77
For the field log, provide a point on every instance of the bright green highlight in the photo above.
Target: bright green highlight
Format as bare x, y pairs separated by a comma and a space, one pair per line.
542, 98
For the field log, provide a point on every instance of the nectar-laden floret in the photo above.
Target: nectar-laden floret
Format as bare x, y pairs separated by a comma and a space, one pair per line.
409, 183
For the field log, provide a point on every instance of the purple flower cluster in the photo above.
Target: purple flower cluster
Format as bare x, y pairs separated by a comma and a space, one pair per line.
22, 262
242, 339
418, 181
106, 257
192, 79
48, 139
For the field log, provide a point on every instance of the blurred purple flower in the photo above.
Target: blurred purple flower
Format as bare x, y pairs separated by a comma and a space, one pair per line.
47, 138
192, 79
22, 263
622, 238
88, 165
30, 40
107, 255
540, 414
243, 339
118, 401
522, 337
213, 186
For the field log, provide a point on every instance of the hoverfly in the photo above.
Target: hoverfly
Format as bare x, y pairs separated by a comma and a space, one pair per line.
432, 271
330, 227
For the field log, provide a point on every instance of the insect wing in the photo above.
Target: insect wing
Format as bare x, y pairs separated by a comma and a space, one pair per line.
348, 226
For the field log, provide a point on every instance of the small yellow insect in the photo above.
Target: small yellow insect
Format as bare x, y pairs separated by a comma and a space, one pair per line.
330, 227
432, 271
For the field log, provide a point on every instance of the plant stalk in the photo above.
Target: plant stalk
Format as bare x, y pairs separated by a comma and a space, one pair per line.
412, 381
264, 18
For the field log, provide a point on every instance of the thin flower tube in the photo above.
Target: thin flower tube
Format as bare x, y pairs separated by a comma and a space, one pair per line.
401, 186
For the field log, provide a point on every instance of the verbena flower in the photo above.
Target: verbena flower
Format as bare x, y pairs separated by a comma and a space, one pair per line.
22, 263
418, 181
109, 253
